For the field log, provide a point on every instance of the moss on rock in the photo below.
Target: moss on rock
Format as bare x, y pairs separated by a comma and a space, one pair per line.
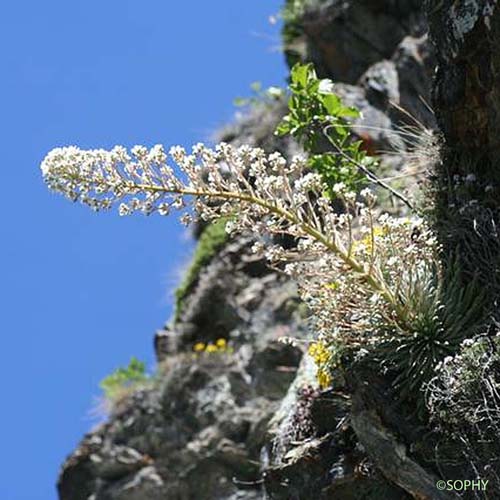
213, 237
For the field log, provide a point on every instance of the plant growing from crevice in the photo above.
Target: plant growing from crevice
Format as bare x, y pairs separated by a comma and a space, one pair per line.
320, 121
220, 346
464, 405
316, 119
371, 281
348, 266
295, 9
124, 380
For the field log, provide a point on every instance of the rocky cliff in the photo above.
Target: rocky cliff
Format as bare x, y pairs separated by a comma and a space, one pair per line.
249, 421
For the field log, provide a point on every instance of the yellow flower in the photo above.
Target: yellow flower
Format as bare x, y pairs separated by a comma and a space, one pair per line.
211, 348
332, 285
221, 344
199, 347
377, 233
366, 242
319, 353
324, 379
322, 357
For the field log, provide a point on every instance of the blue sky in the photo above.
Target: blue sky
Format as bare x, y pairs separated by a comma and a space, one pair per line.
81, 293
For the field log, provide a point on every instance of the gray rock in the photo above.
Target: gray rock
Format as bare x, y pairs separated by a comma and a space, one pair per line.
343, 38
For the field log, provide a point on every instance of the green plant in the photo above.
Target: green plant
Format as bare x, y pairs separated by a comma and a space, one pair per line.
318, 120
441, 312
261, 193
359, 271
211, 240
124, 379
260, 96
294, 9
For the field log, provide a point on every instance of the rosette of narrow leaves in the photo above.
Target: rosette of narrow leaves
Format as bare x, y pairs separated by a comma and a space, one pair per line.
441, 312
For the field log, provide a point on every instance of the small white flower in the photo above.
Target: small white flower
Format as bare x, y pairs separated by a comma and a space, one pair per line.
288, 341
139, 152
186, 219
230, 227
123, 209
163, 209
339, 188
257, 247
326, 86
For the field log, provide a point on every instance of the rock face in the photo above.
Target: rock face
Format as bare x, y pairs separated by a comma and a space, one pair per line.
378, 45
200, 432
252, 423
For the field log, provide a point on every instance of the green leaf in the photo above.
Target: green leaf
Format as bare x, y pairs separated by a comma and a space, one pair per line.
300, 74
284, 127
349, 112
315, 110
331, 102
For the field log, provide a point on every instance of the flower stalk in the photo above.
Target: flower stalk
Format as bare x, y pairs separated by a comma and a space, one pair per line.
266, 195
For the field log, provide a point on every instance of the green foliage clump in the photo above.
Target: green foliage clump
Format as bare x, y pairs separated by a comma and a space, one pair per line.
442, 313
318, 120
124, 379
458, 389
211, 240
294, 9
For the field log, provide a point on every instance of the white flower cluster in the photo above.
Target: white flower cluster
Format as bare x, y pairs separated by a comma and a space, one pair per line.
465, 387
348, 304
348, 265
100, 178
